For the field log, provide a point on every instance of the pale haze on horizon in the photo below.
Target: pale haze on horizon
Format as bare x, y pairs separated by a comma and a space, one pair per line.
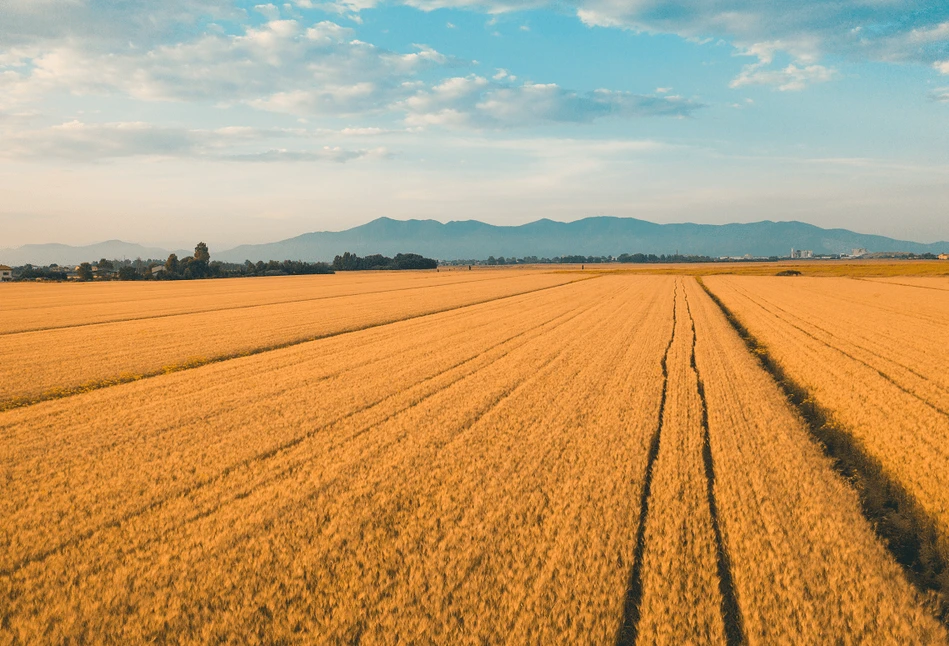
235, 122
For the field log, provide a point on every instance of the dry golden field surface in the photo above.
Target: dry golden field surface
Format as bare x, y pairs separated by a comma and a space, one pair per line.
73, 353
506, 456
872, 354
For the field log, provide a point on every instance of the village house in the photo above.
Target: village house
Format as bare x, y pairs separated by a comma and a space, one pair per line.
6, 274
944, 256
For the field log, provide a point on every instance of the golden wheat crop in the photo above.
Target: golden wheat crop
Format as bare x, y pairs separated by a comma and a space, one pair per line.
869, 353
44, 306
596, 461
467, 477
806, 565
888, 327
77, 358
681, 600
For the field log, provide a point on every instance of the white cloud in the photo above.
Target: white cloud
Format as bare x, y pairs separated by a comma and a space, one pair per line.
280, 66
475, 101
909, 31
287, 67
940, 94
268, 11
104, 22
791, 77
942, 67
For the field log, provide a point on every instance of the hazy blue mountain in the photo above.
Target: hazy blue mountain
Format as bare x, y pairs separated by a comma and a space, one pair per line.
472, 239
61, 254
590, 236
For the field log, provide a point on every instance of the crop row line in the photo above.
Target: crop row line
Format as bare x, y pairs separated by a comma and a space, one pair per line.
632, 605
890, 282
343, 369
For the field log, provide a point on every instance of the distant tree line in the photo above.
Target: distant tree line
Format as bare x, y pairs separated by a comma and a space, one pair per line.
587, 260
200, 266
29, 272
352, 262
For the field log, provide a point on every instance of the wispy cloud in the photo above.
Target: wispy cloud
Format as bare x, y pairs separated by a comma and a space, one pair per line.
914, 31
475, 101
940, 94
327, 153
791, 77
92, 142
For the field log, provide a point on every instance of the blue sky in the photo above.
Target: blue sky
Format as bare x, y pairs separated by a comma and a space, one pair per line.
243, 122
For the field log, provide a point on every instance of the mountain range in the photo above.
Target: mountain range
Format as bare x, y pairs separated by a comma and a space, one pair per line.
599, 236
471, 239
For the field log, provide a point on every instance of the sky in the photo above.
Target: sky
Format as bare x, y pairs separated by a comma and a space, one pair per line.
237, 122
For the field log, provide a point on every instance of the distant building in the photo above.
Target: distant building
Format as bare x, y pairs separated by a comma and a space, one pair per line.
801, 253
6, 274
944, 256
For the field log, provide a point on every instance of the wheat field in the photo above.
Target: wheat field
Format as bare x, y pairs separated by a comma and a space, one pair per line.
77, 353
510, 456
832, 335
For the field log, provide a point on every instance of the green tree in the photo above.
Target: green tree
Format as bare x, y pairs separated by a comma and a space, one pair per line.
171, 265
85, 271
201, 253
128, 272
199, 267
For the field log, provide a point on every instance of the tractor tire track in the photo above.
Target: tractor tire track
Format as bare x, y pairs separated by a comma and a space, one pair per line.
731, 610
632, 604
